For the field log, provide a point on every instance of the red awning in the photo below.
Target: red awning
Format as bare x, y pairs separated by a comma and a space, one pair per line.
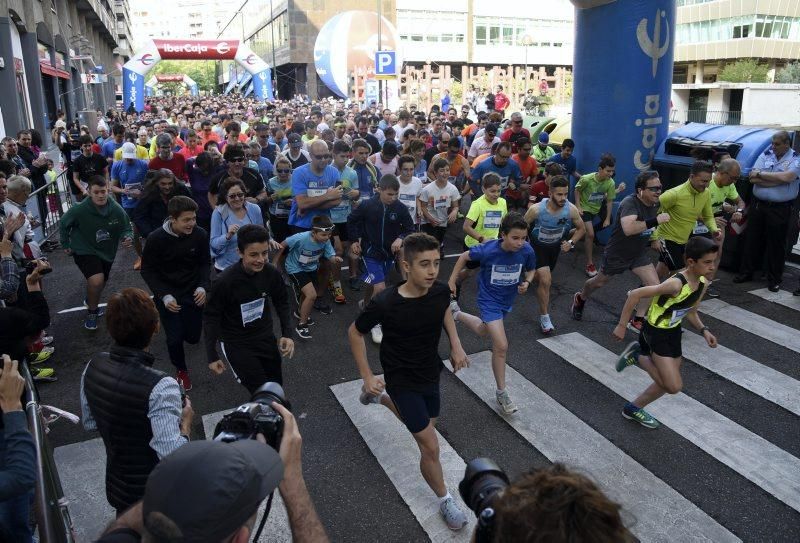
49, 70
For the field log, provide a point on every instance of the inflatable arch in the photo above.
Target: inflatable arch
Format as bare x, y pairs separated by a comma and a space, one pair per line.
135, 70
157, 79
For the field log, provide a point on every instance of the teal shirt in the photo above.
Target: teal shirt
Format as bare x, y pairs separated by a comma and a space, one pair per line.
348, 179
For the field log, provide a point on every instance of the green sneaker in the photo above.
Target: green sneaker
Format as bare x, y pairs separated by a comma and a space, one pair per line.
629, 357
642, 417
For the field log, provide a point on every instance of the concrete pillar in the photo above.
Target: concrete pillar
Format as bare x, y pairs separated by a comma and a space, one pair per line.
33, 77
771, 71
311, 81
698, 72
9, 99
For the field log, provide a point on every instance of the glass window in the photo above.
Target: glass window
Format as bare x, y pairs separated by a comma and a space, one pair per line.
480, 35
494, 35
508, 35
416, 37
432, 38
447, 38
545, 44
459, 38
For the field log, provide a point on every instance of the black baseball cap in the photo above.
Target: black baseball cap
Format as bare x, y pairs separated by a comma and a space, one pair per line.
491, 128
294, 139
208, 489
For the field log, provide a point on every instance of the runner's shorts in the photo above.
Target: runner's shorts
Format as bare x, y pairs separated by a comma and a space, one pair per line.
661, 341
416, 408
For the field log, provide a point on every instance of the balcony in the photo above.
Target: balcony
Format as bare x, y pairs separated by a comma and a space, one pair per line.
95, 13
682, 116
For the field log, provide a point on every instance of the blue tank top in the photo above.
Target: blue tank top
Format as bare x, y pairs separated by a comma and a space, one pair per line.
551, 228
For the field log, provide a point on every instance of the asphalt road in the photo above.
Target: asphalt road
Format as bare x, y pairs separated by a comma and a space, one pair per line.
351, 490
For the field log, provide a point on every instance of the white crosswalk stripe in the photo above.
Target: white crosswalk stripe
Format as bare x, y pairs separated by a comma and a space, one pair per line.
398, 455
661, 513
768, 383
753, 323
782, 297
763, 463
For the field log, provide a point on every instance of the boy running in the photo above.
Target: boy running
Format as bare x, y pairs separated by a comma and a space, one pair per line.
302, 252
348, 180
502, 261
414, 314
658, 350
438, 203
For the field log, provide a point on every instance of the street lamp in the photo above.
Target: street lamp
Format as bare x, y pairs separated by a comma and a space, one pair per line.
527, 40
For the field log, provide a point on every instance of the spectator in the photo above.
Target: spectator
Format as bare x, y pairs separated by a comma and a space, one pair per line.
136, 408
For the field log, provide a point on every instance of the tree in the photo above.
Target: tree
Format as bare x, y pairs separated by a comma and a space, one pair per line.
789, 74
201, 71
744, 71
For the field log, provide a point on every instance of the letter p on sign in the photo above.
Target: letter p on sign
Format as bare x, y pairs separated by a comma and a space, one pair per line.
385, 63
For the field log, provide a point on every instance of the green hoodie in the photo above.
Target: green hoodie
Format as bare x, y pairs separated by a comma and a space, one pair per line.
88, 230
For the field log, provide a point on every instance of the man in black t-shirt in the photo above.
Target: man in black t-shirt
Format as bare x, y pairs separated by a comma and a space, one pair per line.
235, 162
86, 166
412, 316
627, 249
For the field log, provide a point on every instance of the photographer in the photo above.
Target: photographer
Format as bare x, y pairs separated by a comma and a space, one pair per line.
203, 493
552, 504
137, 409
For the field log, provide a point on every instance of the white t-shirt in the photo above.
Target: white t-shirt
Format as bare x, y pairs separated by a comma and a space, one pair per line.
439, 200
382, 167
409, 192
480, 146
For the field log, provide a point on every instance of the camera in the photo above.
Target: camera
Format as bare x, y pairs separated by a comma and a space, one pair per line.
30, 265
255, 417
483, 481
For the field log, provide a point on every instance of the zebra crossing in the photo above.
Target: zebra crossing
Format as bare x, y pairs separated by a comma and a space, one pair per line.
655, 506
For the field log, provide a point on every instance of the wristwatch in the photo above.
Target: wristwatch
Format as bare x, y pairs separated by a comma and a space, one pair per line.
571, 243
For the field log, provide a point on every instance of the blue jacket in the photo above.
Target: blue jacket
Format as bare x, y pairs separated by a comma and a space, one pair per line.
378, 225
224, 251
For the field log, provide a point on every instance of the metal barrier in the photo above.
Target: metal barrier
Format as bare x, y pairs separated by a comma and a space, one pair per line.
47, 204
51, 507
705, 116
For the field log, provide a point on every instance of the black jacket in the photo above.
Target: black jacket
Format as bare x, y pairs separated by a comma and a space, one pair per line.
377, 226
118, 386
175, 264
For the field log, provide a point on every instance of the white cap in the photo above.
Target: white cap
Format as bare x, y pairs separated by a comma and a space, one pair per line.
128, 150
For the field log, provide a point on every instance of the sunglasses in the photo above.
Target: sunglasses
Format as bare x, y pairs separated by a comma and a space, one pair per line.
238, 159
516, 122
322, 157
284, 171
323, 229
654, 189
236, 196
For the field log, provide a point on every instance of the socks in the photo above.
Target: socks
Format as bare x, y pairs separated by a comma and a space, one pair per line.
337, 284
445, 498
499, 391
631, 407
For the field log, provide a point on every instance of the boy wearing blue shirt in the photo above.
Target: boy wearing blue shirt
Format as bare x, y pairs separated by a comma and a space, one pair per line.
301, 253
502, 261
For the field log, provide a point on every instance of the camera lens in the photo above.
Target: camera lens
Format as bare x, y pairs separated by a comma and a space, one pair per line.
483, 479
268, 393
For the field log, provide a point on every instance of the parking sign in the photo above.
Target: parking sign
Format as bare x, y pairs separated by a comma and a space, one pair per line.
385, 63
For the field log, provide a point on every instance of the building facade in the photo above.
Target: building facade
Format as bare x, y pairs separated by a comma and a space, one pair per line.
46, 46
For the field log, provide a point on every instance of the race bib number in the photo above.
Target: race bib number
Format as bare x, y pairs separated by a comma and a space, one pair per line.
308, 257
441, 204
279, 210
504, 182
492, 219
312, 193
410, 201
700, 228
677, 316
102, 235
505, 275
252, 311
597, 196
550, 235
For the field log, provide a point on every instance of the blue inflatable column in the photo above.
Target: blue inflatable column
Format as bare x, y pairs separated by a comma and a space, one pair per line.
132, 89
622, 82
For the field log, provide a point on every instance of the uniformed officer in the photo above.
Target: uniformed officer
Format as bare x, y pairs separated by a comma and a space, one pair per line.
776, 180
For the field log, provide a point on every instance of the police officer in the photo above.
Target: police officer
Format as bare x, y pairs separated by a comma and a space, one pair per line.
776, 180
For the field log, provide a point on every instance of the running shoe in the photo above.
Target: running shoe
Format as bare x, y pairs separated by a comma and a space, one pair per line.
775, 287
506, 403
90, 323
591, 271
309, 321
452, 514
546, 324
303, 332
377, 334
629, 357
711, 292
454, 308
635, 324
338, 295
361, 305
323, 307
44, 375
41, 356
577, 306
641, 416
100, 310
184, 380
366, 398
355, 283
46, 340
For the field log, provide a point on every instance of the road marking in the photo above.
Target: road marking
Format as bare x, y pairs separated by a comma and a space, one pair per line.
759, 379
277, 527
783, 297
750, 455
79, 308
398, 455
661, 513
753, 323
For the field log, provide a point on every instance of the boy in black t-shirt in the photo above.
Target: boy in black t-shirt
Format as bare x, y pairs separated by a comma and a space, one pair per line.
412, 315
